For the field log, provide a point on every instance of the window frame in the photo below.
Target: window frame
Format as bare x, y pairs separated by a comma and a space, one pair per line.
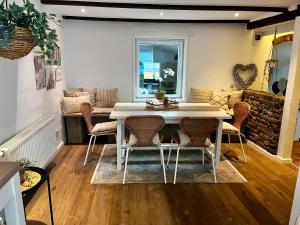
181, 80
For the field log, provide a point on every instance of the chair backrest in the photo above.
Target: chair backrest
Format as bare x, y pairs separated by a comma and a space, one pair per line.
86, 110
144, 128
198, 130
241, 111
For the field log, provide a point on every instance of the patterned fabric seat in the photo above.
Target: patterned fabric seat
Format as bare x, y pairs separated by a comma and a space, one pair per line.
105, 127
227, 127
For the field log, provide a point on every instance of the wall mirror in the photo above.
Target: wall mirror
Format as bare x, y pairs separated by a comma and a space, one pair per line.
279, 64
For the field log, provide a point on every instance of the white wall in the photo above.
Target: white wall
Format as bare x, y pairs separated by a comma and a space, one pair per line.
101, 54
8, 98
32, 104
21, 103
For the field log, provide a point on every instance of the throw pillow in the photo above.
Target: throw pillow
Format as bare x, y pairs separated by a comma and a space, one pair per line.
92, 93
72, 104
220, 100
235, 97
201, 95
78, 94
70, 92
106, 98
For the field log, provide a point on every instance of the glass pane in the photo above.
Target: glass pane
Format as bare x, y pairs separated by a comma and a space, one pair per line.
158, 67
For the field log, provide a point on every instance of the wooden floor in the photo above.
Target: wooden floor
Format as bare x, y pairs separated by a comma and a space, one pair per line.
265, 199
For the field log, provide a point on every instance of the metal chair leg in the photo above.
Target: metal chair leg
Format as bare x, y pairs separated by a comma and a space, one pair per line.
229, 141
126, 161
214, 170
213, 163
170, 149
163, 163
88, 151
94, 143
202, 157
242, 148
175, 173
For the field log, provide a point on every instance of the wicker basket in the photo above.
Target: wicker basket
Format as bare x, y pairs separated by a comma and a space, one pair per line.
22, 44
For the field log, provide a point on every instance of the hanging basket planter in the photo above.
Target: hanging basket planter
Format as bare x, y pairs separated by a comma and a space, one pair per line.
22, 45
22, 27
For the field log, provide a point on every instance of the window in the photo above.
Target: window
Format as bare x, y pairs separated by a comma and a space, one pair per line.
159, 66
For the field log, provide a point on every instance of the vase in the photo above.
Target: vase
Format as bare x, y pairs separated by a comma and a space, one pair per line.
160, 96
22, 175
166, 102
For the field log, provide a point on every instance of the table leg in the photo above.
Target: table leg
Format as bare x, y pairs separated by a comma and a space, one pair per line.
50, 200
119, 144
218, 142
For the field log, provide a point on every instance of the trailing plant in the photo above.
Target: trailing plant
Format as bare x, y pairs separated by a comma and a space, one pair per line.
25, 163
26, 16
161, 91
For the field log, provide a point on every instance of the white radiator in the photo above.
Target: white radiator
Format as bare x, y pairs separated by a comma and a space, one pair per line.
37, 143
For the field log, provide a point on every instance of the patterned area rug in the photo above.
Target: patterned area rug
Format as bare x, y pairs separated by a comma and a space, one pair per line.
144, 167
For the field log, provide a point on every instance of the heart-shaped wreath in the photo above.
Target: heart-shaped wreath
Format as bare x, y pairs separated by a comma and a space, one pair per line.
244, 75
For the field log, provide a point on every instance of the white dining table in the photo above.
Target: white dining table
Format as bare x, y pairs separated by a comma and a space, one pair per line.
201, 110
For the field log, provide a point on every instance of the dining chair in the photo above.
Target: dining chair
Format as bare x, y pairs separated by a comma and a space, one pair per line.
241, 111
194, 133
143, 133
99, 129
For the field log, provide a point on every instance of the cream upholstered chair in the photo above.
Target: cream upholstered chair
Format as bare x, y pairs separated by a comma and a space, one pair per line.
100, 129
195, 134
241, 111
144, 133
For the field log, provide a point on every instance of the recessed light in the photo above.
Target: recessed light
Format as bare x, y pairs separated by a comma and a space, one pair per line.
83, 10
236, 14
161, 13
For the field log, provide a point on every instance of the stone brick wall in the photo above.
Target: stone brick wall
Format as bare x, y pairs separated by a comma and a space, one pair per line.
263, 125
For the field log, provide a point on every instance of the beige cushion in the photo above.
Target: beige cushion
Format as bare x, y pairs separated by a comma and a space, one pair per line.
185, 140
201, 95
229, 127
220, 100
234, 97
70, 92
83, 93
105, 127
106, 98
133, 140
97, 110
72, 104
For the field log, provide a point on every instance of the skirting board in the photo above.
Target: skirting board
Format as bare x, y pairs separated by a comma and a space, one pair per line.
59, 147
274, 157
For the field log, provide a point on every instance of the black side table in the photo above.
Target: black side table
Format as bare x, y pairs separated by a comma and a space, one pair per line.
28, 194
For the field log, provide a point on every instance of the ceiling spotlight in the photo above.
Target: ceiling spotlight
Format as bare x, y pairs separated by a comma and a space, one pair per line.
83, 10
236, 14
161, 13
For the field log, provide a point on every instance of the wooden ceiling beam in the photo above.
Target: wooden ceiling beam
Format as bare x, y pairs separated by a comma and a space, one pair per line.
150, 20
284, 17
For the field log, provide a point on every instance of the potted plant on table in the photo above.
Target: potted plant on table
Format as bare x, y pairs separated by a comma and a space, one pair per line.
24, 27
160, 94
